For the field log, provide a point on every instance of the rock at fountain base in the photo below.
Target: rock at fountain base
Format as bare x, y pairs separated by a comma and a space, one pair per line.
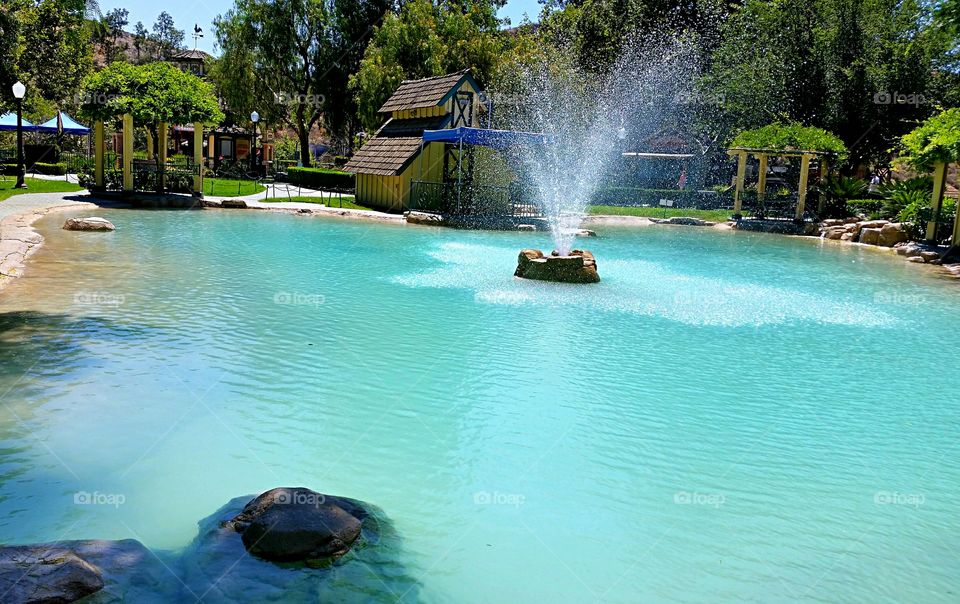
577, 267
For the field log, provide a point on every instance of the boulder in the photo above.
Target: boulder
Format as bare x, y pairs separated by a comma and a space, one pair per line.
236, 204
577, 267
870, 236
295, 524
686, 221
892, 234
424, 218
916, 259
873, 224
527, 227
929, 256
847, 237
47, 574
92, 223
833, 233
831, 222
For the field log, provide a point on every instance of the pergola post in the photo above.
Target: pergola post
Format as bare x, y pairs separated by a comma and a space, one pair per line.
804, 178
98, 152
824, 170
127, 152
936, 199
198, 159
149, 145
955, 241
162, 154
741, 174
762, 179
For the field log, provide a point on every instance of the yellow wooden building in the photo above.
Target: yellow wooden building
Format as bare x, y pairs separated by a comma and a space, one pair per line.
389, 163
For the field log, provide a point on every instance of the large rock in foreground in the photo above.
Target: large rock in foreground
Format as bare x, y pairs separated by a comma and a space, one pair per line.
294, 524
577, 267
45, 574
92, 223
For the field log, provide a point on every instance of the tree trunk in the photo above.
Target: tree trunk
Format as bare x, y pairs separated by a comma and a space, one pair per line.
304, 134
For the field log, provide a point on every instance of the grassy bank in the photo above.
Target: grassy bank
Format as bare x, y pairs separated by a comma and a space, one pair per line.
712, 215
227, 187
35, 185
346, 202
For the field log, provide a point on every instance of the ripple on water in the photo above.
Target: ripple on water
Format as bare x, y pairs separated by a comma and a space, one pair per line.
639, 287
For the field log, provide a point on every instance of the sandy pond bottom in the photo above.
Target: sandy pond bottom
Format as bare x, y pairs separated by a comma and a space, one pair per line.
725, 417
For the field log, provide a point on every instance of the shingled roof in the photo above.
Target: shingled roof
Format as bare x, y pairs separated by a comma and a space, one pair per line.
394, 146
428, 92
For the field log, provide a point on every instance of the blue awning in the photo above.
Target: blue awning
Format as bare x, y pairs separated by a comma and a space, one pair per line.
496, 139
70, 126
8, 121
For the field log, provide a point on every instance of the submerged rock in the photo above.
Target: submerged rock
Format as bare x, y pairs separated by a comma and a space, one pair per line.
293, 524
236, 204
92, 223
577, 267
116, 571
49, 574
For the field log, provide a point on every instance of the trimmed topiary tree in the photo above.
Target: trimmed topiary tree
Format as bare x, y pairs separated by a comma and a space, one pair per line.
790, 137
152, 93
935, 140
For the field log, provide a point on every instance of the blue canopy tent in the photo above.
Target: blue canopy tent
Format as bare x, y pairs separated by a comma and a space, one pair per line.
495, 139
8, 123
69, 126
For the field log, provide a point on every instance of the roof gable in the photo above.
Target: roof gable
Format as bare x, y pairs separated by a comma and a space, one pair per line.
426, 92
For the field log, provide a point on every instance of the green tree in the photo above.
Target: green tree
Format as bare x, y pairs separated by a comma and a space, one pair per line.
166, 37
152, 93
291, 60
864, 69
426, 39
115, 20
141, 40
45, 44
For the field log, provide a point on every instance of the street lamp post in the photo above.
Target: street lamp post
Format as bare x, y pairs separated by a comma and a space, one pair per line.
254, 117
19, 90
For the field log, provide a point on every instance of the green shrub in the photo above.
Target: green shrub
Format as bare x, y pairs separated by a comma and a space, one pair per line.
321, 178
867, 207
918, 213
900, 194
37, 168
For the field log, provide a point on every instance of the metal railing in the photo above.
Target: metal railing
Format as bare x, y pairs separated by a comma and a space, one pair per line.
455, 199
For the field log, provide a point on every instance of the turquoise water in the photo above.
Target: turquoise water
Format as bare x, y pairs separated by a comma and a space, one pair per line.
726, 417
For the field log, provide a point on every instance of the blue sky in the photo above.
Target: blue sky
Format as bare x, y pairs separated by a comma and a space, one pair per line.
202, 12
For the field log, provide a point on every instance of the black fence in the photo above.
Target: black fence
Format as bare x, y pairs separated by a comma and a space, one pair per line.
454, 199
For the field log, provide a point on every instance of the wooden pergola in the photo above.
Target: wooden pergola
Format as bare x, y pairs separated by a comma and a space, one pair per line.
763, 155
99, 152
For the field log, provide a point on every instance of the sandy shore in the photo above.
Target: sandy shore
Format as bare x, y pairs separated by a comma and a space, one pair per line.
18, 239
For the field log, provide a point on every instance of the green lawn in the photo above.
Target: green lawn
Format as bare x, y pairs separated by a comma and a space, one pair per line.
711, 215
331, 202
227, 187
35, 185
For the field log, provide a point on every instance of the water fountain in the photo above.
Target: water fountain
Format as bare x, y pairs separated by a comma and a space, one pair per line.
589, 119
